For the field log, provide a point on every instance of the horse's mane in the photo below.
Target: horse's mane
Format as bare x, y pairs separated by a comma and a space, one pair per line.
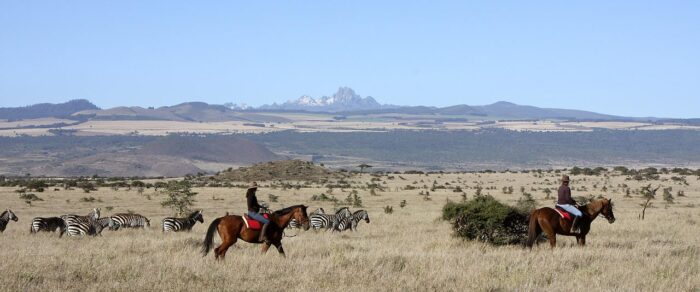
286, 210
598, 203
3, 213
193, 214
359, 211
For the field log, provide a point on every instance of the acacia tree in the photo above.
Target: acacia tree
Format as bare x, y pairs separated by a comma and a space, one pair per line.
363, 166
648, 194
179, 197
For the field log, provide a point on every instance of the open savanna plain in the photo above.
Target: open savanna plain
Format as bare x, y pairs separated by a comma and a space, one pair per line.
411, 249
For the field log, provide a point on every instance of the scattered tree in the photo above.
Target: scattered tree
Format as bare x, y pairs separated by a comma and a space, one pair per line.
363, 166
648, 194
179, 197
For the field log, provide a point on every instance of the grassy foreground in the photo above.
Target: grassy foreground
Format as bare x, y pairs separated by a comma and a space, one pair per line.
410, 249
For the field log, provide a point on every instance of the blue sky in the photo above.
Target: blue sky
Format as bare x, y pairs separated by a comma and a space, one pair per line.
634, 58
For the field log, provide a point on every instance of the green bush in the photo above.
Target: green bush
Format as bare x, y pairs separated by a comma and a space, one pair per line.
30, 197
486, 219
388, 209
324, 197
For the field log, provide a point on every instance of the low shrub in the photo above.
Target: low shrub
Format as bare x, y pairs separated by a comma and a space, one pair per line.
483, 218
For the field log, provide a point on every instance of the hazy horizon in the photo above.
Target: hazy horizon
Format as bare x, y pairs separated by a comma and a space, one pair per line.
627, 58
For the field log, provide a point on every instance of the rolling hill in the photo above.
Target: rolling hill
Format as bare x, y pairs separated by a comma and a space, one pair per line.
45, 110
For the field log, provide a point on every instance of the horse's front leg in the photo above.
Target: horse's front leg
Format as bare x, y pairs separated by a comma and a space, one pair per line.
265, 247
582, 240
278, 245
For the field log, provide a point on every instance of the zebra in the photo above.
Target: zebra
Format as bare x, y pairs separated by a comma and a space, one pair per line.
128, 220
180, 224
5, 218
83, 225
293, 223
106, 222
352, 221
329, 221
48, 224
72, 218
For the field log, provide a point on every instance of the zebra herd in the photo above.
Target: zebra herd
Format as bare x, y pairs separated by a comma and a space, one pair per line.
90, 224
342, 220
93, 225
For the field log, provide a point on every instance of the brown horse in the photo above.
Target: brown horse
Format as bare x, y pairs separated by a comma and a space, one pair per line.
232, 227
548, 221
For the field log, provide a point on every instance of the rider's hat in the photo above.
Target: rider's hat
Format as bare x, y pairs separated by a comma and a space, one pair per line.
253, 185
564, 178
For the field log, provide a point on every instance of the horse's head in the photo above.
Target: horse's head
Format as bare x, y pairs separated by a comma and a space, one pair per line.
301, 216
607, 210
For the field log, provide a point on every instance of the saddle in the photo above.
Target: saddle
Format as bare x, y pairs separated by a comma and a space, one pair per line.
253, 224
564, 214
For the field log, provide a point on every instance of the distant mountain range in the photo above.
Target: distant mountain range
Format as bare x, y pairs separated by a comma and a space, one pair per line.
43, 110
185, 112
346, 101
343, 103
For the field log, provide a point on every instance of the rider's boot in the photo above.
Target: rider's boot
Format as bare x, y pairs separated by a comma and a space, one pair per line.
575, 225
263, 233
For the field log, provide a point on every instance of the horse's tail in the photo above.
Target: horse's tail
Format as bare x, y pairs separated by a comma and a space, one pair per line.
209, 238
532, 231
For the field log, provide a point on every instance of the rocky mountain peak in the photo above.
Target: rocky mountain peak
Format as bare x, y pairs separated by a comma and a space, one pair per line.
343, 100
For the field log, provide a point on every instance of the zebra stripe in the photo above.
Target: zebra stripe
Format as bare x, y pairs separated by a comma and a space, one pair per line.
106, 222
84, 228
72, 218
352, 221
83, 225
128, 220
182, 224
5, 218
49, 224
329, 221
294, 224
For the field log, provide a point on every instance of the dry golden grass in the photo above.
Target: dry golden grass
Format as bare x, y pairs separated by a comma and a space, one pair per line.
410, 249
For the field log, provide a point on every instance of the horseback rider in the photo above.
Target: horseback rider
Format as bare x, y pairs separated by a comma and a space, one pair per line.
254, 209
566, 202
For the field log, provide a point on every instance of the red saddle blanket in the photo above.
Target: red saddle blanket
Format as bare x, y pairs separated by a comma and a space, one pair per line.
563, 213
252, 223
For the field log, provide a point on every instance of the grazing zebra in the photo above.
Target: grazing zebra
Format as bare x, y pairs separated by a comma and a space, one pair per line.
293, 223
5, 218
128, 220
329, 221
77, 218
83, 225
352, 221
48, 224
106, 222
182, 224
